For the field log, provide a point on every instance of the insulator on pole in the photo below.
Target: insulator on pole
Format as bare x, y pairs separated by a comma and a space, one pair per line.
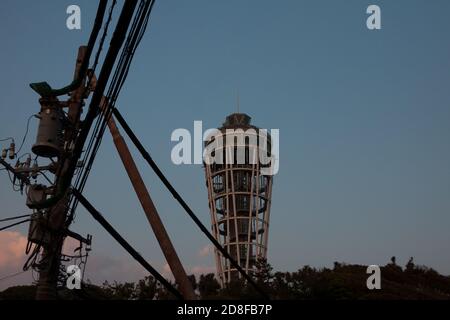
12, 150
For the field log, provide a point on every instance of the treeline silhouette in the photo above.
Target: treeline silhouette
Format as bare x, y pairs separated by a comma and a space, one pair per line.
343, 281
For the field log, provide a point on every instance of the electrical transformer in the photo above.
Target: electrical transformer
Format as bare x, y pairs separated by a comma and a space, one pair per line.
49, 137
37, 232
36, 194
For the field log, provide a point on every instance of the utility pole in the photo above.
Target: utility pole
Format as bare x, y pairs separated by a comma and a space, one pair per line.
150, 210
57, 214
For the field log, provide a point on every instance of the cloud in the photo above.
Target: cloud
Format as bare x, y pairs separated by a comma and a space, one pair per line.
12, 249
166, 272
205, 251
70, 244
12, 258
198, 270
101, 268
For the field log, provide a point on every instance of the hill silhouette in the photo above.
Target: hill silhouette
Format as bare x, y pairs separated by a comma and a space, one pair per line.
342, 282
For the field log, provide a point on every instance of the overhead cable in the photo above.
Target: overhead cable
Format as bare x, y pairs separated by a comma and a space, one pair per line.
110, 229
180, 200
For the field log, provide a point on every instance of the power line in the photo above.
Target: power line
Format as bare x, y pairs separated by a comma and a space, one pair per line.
46, 177
13, 275
65, 180
102, 41
14, 218
180, 200
44, 89
14, 224
134, 37
25, 135
21, 177
91, 76
110, 229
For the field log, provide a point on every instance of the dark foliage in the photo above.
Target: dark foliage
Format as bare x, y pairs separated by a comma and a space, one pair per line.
342, 282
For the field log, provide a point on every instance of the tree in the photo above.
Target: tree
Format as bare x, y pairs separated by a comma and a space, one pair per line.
193, 281
146, 289
263, 272
344, 281
393, 261
208, 286
120, 291
19, 293
263, 275
410, 265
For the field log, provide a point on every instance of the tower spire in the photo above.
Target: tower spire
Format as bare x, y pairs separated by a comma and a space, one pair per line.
238, 102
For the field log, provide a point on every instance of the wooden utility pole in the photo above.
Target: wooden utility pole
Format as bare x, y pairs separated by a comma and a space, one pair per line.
57, 214
150, 211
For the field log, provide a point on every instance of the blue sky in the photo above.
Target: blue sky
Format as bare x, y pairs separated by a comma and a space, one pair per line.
363, 117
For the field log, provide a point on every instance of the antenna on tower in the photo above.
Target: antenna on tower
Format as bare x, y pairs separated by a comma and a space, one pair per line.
237, 100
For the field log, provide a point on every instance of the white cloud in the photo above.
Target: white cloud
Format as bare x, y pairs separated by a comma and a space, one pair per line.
99, 267
205, 251
167, 272
12, 258
198, 270
12, 249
